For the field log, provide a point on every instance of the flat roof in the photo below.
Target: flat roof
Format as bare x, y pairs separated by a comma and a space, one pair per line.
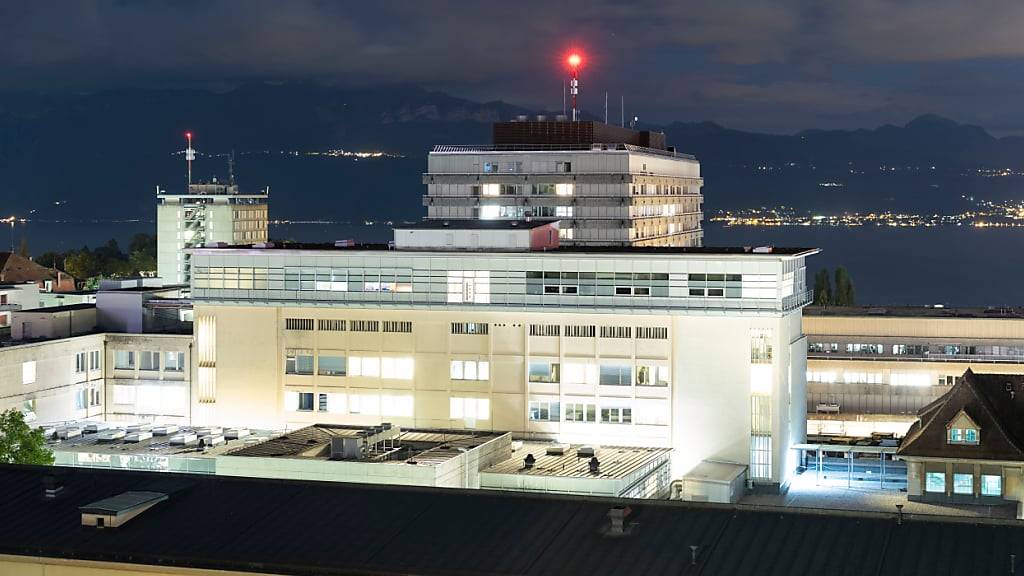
449, 224
296, 527
61, 308
420, 446
615, 461
915, 312
755, 251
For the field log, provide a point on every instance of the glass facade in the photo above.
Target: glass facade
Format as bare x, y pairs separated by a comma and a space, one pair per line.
638, 282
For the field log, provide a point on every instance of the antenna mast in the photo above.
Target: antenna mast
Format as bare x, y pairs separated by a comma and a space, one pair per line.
231, 169
574, 61
190, 155
605, 107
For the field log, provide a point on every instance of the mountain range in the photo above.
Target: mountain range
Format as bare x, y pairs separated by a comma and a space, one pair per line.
103, 153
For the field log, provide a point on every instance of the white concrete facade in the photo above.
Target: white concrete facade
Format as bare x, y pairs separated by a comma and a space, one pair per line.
101, 376
604, 195
419, 341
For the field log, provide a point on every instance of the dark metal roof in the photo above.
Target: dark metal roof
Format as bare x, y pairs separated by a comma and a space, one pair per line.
124, 502
995, 402
294, 527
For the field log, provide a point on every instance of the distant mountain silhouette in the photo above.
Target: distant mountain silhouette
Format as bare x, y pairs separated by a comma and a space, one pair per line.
104, 152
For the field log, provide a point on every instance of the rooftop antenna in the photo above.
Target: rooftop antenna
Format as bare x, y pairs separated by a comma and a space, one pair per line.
605, 107
574, 60
190, 155
563, 97
622, 111
231, 169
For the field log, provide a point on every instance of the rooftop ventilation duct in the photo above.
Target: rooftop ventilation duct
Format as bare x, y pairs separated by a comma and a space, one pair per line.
618, 516
529, 461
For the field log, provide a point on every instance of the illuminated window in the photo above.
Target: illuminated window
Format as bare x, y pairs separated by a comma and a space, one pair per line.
935, 482
963, 483
579, 373
761, 346
396, 406
469, 370
396, 368
991, 485
149, 361
368, 404
363, 366
469, 287
469, 409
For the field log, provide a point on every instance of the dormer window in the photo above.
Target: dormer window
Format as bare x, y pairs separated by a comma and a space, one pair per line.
962, 430
963, 436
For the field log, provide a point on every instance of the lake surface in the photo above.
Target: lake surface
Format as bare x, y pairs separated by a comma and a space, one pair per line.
952, 266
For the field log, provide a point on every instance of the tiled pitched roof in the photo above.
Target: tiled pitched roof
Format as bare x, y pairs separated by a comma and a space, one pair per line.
994, 401
18, 269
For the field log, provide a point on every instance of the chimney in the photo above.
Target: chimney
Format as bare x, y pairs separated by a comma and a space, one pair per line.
53, 485
618, 515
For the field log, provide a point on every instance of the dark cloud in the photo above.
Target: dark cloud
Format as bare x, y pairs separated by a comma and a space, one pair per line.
780, 65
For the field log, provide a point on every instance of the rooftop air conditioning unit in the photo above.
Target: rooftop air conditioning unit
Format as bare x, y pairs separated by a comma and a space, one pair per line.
585, 452
557, 449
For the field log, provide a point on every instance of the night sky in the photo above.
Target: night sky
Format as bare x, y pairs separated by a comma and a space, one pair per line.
770, 66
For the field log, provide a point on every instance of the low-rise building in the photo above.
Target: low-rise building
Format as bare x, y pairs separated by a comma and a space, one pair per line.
968, 446
15, 269
871, 369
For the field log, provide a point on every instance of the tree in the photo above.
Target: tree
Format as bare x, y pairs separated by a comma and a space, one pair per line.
21, 444
82, 264
822, 288
844, 292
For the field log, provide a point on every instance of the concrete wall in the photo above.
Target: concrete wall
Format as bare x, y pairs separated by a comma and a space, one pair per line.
27, 325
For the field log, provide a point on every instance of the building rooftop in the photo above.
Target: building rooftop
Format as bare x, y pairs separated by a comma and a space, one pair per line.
440, 224
97, 443
994, 402
298, 527
423, 447
61, 308
915, 312
756, 251
567, 461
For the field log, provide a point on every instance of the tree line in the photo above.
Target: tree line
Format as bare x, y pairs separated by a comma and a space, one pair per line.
841, 293
106, 261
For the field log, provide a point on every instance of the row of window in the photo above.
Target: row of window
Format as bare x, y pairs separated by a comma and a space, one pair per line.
517, 166
302, 364
602, 374
917, 349
516, 212
589, 412
991, 484
149, 360
547, 189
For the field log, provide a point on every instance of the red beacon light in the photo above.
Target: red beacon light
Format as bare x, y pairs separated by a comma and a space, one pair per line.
574, 60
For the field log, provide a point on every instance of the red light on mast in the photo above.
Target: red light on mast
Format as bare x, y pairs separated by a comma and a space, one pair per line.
574, 60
